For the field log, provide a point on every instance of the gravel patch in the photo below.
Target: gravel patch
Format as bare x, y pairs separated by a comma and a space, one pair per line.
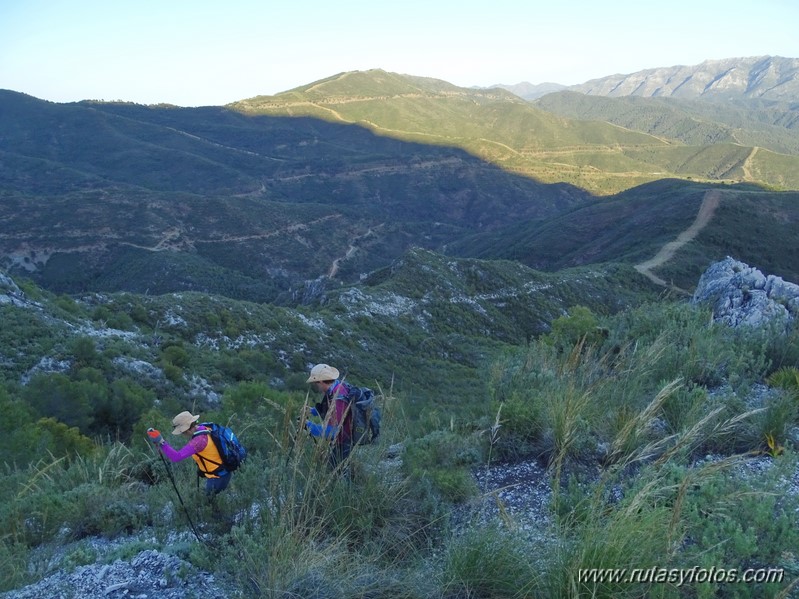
149, 574
516, 494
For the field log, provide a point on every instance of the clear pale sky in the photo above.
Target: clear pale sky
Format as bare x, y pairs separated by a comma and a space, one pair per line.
199, 52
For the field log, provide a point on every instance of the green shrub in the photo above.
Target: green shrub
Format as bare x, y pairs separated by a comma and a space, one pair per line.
779, 415
19, 442
522, 426
62, 440
489, 561
14, 556
67, 304
442, 449
84, 352
786, 378
80, 556
70, 402
579, 326
741, 522
176, 355
121, 321
445, 459
456, 485
120, 408
624, 539
684, 408
173, 373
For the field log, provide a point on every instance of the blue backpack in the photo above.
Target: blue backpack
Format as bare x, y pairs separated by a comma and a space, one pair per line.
232, 452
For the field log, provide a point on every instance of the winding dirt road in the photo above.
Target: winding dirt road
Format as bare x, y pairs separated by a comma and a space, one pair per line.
709, 204
334, 267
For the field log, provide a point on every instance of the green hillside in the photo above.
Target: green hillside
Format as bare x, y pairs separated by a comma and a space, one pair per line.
261, 200
751, 224
185, 196
748, 123
759, 224
551, 408
507, 131
422, 317
632, 421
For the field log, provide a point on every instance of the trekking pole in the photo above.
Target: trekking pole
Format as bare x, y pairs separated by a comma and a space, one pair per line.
175, 486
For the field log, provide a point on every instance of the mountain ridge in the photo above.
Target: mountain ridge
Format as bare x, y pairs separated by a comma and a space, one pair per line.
762, 77
598, 156
766, 77
238, 199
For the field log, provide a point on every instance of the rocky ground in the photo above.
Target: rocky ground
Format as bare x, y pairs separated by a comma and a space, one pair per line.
148, 574
516, 494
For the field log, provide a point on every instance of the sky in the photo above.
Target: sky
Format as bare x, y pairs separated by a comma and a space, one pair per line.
203, 53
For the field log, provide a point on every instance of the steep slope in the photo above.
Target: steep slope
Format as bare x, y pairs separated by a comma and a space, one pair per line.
435, 319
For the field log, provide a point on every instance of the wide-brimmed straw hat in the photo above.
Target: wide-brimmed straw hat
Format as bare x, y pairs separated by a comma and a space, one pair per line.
183, 421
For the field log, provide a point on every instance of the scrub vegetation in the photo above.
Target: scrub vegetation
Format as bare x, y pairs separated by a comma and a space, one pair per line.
667, 441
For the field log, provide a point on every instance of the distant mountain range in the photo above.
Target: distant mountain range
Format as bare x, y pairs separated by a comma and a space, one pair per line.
771, 78
531, 91
276, 197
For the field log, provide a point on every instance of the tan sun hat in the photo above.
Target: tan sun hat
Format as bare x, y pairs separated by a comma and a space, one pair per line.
322, 372
183, 421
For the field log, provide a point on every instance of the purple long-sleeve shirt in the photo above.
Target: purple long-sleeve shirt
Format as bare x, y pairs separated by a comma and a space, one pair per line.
195, 445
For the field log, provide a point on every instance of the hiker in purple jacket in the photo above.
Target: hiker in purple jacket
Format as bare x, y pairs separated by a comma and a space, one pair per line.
200, 448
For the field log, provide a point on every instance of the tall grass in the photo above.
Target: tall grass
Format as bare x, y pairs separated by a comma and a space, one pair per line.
654, 461
625, 426
288, 525
300, 528
489, 561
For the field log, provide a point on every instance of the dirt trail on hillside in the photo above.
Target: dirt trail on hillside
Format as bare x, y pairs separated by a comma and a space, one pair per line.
353, 247
747, 165
709, 204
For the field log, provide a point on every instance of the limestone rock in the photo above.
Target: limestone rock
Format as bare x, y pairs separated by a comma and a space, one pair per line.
742, 295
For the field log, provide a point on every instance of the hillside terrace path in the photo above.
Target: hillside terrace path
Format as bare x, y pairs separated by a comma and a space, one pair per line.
172, 239
706, 210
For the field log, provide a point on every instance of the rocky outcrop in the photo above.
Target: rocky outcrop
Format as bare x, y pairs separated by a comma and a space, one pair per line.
10, 293
742, 295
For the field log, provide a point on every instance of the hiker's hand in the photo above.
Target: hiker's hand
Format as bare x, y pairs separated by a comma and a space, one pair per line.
315, 430
155, 436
